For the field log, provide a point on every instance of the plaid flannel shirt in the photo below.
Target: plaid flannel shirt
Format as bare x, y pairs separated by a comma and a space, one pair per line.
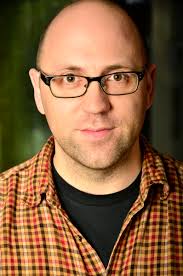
38, 238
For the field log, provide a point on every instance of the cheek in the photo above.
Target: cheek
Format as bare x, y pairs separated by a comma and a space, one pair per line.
60, 114
55, 113
130, 107
134, 117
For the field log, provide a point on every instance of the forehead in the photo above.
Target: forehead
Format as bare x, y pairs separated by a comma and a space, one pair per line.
92, 34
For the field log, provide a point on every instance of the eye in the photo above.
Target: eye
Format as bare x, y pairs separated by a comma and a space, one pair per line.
70, 78
117, 76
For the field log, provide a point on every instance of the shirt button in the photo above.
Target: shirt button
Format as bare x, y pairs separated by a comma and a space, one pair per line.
80, 238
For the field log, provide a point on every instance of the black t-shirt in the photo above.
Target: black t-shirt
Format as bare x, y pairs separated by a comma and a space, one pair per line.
98, 217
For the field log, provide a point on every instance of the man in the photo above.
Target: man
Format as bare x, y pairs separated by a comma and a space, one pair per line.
97, 199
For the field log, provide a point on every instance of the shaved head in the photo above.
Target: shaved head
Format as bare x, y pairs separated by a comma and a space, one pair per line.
95, 133
80, 11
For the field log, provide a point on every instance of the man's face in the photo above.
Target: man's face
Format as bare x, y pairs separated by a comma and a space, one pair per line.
95, 130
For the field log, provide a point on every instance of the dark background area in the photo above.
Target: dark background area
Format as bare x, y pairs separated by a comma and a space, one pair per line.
23, 130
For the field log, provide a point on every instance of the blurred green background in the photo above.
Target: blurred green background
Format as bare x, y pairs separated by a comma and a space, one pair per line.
23, 130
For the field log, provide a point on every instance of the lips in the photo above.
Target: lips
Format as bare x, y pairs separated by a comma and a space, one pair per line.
96, 133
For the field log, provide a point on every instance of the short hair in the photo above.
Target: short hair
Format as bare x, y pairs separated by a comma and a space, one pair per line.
115, 4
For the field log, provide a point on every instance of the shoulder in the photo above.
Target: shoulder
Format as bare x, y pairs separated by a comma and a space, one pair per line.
25, 178
173, 163
13, 180
8, 174
165, 163
162, 169
173, 169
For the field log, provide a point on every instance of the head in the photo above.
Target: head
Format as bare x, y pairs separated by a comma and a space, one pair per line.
93, 38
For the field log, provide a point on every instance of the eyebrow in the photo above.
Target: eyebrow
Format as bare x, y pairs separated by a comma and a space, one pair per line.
115, 67
104, 71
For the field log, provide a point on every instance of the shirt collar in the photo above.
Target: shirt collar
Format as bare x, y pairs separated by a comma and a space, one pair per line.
153, 171
40, 180
39, 176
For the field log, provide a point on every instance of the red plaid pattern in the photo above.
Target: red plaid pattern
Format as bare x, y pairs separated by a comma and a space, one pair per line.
38, 238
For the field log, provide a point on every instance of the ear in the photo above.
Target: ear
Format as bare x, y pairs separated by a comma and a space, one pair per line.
35, 79
151, 74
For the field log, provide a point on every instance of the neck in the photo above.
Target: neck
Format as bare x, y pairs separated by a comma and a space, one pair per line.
103, 181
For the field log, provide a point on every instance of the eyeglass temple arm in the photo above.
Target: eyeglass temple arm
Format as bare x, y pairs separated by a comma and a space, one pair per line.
45, 79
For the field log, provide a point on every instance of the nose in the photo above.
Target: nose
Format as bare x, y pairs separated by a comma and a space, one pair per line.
95, 100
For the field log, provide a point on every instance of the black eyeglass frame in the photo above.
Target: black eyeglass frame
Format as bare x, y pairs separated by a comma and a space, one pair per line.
47, 80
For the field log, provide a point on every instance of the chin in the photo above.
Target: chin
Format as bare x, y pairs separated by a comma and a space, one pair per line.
103, 160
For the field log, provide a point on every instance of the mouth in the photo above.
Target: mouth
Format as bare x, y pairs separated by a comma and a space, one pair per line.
96, 133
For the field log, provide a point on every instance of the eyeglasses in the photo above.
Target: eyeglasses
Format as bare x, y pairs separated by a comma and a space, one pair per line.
73, 86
